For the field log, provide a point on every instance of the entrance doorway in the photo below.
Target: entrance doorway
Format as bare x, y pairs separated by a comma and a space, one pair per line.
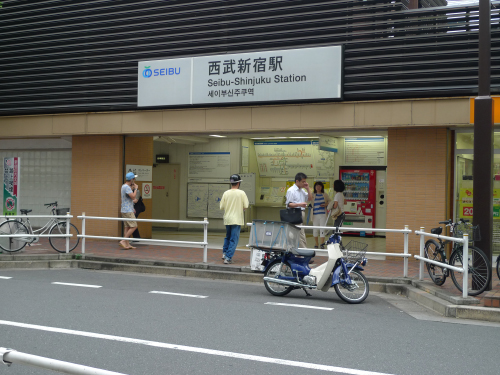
166, 188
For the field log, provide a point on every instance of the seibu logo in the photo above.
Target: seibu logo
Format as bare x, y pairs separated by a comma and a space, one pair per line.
148, 72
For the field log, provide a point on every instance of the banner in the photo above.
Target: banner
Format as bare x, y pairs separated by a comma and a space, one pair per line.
11, 179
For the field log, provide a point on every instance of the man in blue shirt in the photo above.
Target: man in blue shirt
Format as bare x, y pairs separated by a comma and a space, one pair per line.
128, 193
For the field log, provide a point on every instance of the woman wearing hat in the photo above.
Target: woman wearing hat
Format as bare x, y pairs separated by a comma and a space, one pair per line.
128, 193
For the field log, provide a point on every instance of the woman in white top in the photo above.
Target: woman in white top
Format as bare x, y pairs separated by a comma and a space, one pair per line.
320, 201
338, 199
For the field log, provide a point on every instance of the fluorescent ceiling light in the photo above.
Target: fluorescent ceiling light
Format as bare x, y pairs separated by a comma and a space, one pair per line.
302, 137
217, 136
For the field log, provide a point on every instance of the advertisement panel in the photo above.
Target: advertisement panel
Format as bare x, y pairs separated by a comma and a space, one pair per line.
11, 184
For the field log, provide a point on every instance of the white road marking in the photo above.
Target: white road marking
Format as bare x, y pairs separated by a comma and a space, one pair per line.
192, 349
178, 294
5, 277
82, 285
295, 305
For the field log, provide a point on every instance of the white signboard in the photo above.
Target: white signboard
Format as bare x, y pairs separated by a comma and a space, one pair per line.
209, 164
197, 200
143, 172
365, 151
327, 143
324, 161
285, 159
215, 193
147, 189
295, 74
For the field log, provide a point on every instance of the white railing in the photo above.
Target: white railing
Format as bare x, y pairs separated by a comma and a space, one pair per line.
465, 257
10, 356
66, 217
204, 223
405, 232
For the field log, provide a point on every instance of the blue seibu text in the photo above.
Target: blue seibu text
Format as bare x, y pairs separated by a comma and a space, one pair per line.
278, 78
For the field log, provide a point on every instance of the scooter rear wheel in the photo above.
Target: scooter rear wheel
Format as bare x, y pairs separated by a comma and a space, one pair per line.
357, 291
274, 288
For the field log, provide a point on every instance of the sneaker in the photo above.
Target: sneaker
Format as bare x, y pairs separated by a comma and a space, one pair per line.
223, 256
323, 246
228, 261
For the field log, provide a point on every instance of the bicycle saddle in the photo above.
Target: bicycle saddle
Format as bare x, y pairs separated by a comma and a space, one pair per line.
305, 253
25, 212
437, 230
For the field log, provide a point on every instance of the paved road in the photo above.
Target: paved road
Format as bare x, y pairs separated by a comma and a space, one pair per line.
228, 328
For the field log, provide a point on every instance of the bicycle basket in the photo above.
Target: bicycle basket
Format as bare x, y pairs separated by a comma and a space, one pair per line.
467, 228
62, 211
354, 251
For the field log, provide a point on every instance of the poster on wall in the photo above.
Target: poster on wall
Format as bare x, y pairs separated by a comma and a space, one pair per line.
324, 161
197, 200
209, 164
327, 143
215, 193
365, 151
285, 159
11, 185
466, 210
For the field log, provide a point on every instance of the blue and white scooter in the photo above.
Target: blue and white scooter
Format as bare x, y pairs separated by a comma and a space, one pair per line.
286, 271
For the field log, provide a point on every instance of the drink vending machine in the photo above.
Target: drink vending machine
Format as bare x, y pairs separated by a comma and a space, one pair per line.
360, 196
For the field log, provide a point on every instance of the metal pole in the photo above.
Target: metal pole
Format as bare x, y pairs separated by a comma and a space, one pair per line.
68, 222
405, 272
205, 240
83, 232
10, 356
422, 245
465, 265
483, 137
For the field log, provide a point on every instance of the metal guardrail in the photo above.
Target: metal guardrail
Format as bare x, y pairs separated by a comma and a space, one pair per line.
11, 356
405, 231
67, 217
204, 223
465, 257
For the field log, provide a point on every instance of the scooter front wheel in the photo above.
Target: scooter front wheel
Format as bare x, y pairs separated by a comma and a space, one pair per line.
355, 292
273, 270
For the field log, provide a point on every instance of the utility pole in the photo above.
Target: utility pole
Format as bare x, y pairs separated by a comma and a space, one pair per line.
483, 137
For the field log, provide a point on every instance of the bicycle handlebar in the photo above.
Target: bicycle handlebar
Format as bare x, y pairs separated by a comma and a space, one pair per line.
450, 222
50, 204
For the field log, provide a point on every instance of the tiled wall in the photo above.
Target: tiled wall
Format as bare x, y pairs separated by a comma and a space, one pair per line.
96, 179
416, 183
45, 178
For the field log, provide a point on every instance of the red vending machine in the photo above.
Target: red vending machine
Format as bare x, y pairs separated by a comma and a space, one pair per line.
360, 198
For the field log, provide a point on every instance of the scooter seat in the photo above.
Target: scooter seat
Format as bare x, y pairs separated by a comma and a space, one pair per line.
305, 253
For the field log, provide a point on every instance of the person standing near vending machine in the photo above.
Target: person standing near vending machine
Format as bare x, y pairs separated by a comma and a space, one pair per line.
297, 197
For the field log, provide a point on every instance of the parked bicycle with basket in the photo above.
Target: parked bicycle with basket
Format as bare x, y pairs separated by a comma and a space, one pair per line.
479, 265
22, 226
286, 267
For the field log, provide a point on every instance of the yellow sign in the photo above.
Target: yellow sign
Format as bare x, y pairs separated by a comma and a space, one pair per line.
466, 207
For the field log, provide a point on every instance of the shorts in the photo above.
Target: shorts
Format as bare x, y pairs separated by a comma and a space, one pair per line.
129, 223
319, 221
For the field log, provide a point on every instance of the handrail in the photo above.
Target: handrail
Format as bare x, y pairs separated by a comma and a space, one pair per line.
205, 223
10, 356
405, 232
465, 257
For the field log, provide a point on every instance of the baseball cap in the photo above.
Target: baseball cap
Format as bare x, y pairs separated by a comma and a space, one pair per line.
130, 175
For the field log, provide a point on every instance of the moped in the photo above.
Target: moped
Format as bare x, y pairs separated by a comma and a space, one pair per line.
287, 270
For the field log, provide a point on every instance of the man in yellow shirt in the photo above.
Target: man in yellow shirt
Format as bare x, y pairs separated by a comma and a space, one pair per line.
233, 202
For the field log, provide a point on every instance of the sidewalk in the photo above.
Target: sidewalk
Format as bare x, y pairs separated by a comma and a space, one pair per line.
391, 268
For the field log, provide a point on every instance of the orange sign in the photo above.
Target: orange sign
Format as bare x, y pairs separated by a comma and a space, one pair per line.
496, 110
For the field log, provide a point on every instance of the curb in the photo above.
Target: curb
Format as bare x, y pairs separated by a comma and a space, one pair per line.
422, 292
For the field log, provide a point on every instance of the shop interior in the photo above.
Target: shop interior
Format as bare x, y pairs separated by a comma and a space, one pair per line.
192, 172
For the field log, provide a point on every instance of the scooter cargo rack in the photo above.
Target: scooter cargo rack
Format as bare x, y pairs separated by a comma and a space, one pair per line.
276, 236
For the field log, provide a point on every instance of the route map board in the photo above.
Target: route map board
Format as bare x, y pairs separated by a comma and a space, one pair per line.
215, 192
197, 200
286, 159
365, 151
209, 164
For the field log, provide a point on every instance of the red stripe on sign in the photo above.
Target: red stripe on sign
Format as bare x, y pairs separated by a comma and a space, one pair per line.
159, 187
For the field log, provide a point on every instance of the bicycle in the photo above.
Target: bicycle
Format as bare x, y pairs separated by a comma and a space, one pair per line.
478, 263
55, 226
498, 266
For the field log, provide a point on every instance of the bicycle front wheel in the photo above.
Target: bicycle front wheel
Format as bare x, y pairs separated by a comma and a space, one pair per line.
498, 266
13, 244
479, 270
433, 252
59, 243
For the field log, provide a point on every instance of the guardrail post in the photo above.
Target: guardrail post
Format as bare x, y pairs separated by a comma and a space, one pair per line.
83, 232
405, 272
422, 245
205, 240
68, 222
465, 265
